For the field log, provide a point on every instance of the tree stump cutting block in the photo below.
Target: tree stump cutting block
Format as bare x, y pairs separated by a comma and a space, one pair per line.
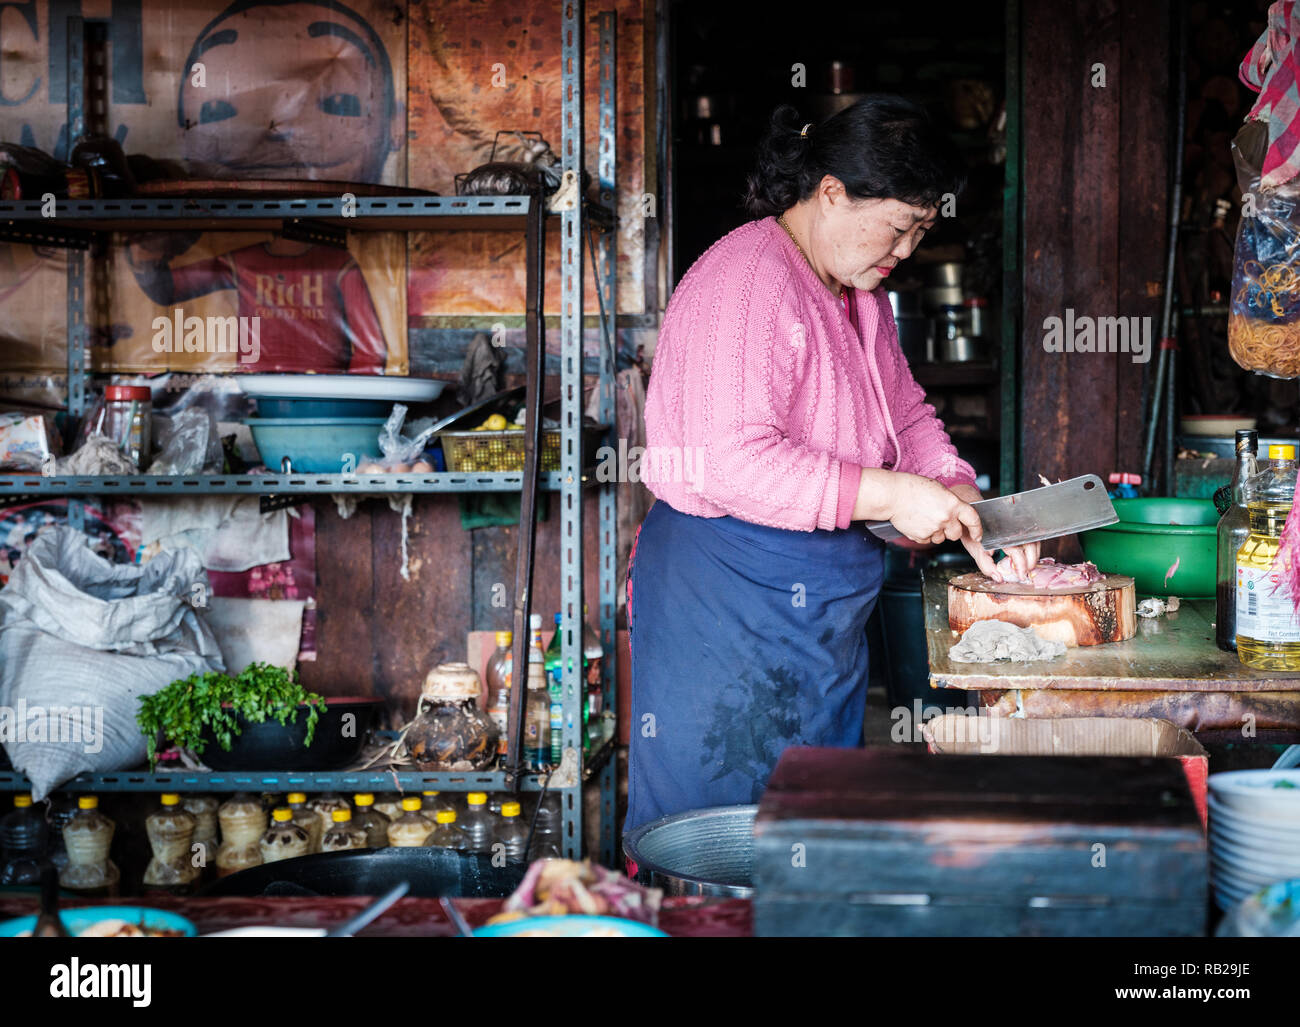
1105, 611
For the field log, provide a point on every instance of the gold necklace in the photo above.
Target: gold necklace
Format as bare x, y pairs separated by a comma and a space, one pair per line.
782, 222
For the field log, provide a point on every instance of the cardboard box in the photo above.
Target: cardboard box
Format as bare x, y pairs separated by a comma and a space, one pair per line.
953, 733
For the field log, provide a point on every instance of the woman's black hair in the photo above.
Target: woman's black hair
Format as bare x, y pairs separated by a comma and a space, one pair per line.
882, 147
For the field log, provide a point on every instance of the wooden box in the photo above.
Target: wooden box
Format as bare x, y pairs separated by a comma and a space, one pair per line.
901, 842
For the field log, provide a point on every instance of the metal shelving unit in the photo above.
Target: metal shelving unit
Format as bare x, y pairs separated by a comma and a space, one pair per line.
75, 224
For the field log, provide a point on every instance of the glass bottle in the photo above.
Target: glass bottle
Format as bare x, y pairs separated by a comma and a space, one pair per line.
345, 834
88, 837
307, 818
446, 835
1234, 527
554, 665
243, 822
389, 804
499, 673
171, 834
1268, 634
548, 828
537, 719
204, 843
512, 833
370, 820
412, 828
477, 823
283, 839
323, 806
450, 732
593, 697
23, 841
62, 808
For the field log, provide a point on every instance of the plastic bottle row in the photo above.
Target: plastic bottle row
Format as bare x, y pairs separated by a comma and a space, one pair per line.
192, 834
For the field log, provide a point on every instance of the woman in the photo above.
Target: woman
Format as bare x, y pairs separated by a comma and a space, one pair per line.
780, 411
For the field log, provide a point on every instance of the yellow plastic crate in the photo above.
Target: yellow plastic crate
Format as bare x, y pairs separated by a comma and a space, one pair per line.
496, 450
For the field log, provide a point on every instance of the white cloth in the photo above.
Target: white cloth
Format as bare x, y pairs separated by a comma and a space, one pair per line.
229, 533
988, 640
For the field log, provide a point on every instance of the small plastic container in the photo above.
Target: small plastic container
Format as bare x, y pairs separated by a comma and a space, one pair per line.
88, 837
23, 840
283, 839
370, 820
446, 835
171, 833
344, 834
128, 418
412, 828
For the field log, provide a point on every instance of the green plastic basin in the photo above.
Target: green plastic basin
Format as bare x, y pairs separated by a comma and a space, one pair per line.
1149, 536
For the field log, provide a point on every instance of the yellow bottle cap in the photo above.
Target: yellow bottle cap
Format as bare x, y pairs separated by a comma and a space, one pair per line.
297, 797
411, 805
170, 799
88, 802
1279, 452
428, 793
341, 816
363, 799
505, 638
446, 816
476, 799
282, 814
22, 801
510, 809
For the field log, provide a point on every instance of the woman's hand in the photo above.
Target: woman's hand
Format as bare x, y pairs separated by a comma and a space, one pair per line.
1023, 558
922, 509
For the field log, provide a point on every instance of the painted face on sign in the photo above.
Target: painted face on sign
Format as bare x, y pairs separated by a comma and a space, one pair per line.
296, 89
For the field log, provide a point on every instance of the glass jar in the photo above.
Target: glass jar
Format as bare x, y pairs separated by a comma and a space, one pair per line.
88, 837
307, 819
23, 839
128, 416
171, 833
450, 732
243, 822
344, 834
370, 820
283, 839
412, 828
446, 835
204, 843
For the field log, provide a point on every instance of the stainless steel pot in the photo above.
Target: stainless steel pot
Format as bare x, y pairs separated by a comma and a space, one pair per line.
699, 852
936, 296
948, 274
962, 349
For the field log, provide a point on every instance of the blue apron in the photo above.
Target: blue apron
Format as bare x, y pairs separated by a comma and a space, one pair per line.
745, 640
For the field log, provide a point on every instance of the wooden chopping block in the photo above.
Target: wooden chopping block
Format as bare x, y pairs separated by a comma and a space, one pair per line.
1105, 611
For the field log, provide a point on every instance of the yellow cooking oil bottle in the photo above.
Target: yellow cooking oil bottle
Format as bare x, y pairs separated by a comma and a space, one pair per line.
1268, 630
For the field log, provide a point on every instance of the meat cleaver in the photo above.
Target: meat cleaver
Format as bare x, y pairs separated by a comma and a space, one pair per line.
1048, 512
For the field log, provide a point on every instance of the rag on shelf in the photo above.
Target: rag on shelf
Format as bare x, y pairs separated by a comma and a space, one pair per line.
1270, 70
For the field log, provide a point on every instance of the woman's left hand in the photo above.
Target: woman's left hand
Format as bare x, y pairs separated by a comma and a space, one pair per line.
1023, 558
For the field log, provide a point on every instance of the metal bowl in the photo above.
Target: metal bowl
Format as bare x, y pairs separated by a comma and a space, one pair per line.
699, 852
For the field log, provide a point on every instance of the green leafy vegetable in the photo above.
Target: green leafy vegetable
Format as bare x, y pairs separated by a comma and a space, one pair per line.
184, 709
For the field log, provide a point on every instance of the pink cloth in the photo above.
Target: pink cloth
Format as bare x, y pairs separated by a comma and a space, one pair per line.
764, 402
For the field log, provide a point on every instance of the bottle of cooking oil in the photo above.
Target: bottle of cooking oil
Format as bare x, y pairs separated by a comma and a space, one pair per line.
1268, 631
1233, 529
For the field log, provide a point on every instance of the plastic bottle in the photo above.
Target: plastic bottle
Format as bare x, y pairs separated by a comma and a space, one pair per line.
548, 830
446, 835
283, 839
88, 837
499, 673
1268, 633
307, 819
389, 804
62, 808
370, 820
555, 689
204, 843
434, 803
593, 698
537, 720
412, 828
171, 833
344, 834
243, 822
477, 823
1233, 530
23, 840
512, 833
323, 806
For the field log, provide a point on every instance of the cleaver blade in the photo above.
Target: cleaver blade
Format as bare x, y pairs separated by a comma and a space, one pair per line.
1065, 508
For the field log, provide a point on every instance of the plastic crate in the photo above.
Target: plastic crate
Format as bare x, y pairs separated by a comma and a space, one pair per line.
496, 450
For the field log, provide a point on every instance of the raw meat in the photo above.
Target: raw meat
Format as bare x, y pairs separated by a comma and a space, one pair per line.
1048, 575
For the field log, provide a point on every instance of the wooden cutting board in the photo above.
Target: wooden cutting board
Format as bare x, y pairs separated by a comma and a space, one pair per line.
1105, 611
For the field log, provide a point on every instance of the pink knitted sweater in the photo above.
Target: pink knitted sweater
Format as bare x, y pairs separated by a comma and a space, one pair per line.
765, 403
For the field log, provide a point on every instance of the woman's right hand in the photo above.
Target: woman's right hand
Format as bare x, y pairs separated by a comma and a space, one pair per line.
926, 511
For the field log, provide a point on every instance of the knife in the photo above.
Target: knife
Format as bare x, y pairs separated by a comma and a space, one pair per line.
1079, 504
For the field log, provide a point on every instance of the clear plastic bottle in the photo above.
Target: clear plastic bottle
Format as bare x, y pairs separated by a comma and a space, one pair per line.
171, 833
283, 839
412, 828
344, 834
204, 843
548, 830
499, 673
537, 719
23, 841
434, 803
243, 822
88, 836
477, 823
62, 808
307, 819
512, 833
446, 835
1233, 530
370, 820
323, 806
1268, 632
389, 804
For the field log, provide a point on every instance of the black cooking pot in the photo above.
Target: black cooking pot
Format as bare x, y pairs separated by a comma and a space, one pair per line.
432, 873
341, 732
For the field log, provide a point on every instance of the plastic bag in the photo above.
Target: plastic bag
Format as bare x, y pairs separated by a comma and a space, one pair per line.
399, 452
189, 443
26, 442
1264, 314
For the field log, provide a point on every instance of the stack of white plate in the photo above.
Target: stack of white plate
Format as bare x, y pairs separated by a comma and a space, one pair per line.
1254, 832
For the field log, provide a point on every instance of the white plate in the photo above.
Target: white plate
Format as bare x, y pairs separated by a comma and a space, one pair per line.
1230, 850
268, 931
1257, 866
1242, 832
389, 388
1252, 793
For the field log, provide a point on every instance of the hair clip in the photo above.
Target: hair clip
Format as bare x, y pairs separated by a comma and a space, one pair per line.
803, 132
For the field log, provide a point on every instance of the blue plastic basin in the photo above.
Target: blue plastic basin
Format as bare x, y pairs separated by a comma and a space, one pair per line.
317, 445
